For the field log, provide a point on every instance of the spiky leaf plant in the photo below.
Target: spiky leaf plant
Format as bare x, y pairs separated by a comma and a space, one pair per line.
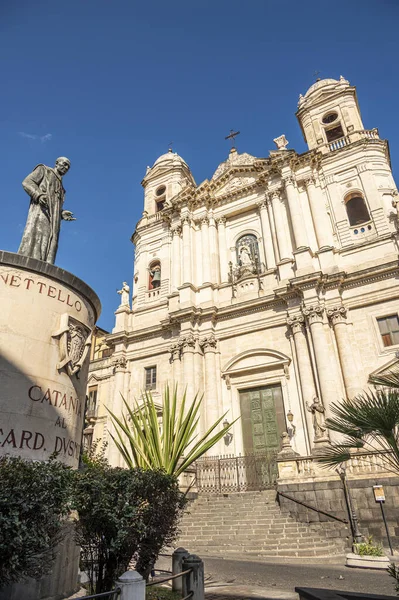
368, 422
170, 444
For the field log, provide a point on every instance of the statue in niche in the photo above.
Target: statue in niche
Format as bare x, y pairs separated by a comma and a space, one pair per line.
319, 425
155, 274
245, 256
124, 294
42, 229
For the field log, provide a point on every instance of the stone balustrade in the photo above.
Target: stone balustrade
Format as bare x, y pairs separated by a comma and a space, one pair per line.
371, 134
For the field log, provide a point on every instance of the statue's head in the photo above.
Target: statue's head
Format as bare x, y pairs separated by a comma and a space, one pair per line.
62, 165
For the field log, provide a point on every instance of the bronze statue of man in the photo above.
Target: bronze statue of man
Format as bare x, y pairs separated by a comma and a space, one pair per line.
42, 229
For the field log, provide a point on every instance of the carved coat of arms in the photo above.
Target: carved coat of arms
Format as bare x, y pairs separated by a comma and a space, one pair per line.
74, 344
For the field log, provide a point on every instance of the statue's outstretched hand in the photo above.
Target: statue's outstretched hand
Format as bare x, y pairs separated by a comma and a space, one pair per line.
67, 215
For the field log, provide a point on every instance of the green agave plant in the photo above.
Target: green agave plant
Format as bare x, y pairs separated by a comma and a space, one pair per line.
370, 423
172, 445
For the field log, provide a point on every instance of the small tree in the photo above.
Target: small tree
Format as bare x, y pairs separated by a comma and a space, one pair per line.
368, 422
171, 445
123, 515
34, 501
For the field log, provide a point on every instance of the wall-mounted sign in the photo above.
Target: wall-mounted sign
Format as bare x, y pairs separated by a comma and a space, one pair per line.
379, 494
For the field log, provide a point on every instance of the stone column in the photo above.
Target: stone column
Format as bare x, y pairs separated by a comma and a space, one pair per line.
213, 242
323, 358
187, 343
176, 259
321, 221
267, 236
120, 370
337, 316
187, 273
282, 230
224, 267
175, 350
297, 325
295, 212
272, 227
208, 345
206, 256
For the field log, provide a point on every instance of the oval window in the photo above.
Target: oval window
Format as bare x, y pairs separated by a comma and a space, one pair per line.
161, 190
330, 118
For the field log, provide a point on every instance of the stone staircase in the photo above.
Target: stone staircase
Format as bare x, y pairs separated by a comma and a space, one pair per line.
251, 524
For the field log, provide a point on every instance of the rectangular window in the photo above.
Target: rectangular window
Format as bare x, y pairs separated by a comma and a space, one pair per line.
150, 378
92, 399
389, 329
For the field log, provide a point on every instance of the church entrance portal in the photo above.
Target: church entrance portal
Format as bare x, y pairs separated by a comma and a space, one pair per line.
263, 422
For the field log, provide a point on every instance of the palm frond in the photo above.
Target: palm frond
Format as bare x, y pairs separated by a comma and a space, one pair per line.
173, 444
390, 379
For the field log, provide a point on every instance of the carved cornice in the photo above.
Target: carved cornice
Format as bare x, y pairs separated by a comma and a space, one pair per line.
314, 313
337, 314
208, 342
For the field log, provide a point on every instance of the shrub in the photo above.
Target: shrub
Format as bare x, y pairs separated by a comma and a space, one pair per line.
34, 500
123, 515
367, 548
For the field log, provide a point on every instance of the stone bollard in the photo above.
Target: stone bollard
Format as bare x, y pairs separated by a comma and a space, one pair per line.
177, 560
194, 581
132, 586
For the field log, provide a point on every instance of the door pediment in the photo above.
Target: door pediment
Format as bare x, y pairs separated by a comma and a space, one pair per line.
255, 360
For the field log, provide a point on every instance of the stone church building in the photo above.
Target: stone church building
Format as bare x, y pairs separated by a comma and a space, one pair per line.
272, 287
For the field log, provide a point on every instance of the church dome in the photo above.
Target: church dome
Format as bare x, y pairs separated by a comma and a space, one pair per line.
319, 84
170, 159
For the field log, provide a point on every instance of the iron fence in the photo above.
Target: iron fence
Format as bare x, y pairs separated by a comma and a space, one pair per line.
221, 474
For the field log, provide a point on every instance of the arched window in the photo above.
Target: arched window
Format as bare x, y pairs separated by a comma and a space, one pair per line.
247, 251
160, 198
154, 271
356, 209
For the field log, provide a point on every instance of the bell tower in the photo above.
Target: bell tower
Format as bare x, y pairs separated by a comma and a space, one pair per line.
328, 112
164, 180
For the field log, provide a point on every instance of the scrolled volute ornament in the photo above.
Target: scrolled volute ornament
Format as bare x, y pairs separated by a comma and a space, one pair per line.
313, 313
337, 314
296, 323
208, 342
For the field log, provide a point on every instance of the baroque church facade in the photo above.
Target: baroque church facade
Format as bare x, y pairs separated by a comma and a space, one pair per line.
271, 288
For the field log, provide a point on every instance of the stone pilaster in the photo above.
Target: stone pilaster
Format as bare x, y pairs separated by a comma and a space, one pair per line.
208, 344
120, 372
267, 235
213, 248
224, 267
176, 258
338, 319
297, 325
320, 217
206, 255
175, 358
282, 229
187, 344
295, 212
187, 271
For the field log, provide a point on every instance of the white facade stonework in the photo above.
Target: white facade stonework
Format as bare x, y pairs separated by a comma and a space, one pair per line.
273, 275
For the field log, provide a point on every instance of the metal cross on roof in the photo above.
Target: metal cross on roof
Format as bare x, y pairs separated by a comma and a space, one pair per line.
233, 134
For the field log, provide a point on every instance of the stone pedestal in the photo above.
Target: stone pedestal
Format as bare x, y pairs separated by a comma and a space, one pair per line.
46, 320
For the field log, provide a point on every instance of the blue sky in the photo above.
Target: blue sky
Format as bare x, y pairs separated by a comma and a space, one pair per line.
109, 83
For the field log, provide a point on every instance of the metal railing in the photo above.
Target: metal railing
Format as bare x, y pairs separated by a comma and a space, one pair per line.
318, 510
222, 474
109, 595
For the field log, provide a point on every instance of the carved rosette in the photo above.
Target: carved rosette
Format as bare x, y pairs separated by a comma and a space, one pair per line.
337, 314
174, 350
187, 342
208, 343
314, 314
296, 323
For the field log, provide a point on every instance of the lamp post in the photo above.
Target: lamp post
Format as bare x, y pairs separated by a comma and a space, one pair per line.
228, 436
356, 535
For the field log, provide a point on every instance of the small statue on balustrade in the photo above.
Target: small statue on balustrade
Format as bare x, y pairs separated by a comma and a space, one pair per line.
319, 424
